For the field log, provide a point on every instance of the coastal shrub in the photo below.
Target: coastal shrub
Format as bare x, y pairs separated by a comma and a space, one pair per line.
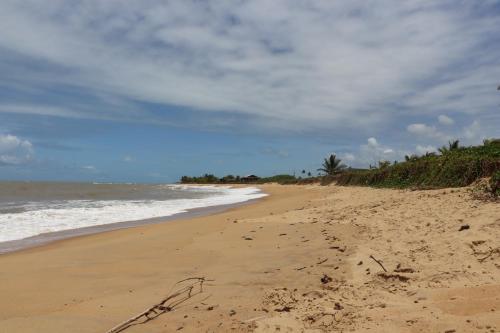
280, 179
492, 142
458, 166
309, 180
327, 180
495, 184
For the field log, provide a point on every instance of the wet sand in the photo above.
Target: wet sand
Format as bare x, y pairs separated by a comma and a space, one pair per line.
305, 259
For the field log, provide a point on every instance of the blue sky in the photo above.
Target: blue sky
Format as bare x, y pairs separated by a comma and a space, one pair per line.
152, 90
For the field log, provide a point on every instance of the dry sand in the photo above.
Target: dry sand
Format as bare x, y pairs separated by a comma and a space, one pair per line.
268, 261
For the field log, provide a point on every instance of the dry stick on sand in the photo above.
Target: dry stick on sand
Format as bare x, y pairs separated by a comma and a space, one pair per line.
489, 254
378, 262
168, 304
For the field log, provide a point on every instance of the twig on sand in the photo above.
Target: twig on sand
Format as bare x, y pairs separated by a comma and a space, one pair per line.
378, 262
176, 297
490, 253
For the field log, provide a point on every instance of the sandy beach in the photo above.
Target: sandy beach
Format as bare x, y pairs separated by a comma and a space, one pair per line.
305, 259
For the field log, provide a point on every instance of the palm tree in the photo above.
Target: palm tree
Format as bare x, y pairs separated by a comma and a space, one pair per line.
411, 158
332, 165
452, 145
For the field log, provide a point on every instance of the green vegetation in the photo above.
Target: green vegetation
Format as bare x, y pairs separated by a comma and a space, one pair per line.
456, 166
452, 145
230, 179
205, 179
495, 184
280, 179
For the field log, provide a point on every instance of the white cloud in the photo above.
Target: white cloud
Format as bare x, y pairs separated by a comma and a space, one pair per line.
422, 150
428, 132
445, 120
421, 129
348, 157
39, 110
288, 64
372, 142
128, 158
474, 132
14, 150
372, 152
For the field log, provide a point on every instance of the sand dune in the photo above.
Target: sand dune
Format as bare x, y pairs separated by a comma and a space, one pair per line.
305, 259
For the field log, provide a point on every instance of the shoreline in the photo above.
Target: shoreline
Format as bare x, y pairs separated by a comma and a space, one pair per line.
299, 260
51, 237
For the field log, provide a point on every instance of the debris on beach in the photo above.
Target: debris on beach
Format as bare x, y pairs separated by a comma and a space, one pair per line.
326, 279
464, 227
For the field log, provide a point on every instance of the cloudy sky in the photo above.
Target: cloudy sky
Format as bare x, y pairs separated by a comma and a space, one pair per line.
151, 90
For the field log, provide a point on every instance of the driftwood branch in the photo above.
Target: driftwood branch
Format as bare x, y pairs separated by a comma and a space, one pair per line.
176, 297
378, 262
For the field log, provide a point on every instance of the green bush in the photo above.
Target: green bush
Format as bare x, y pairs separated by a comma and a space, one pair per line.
495, 184
458, 167
230, 179
205, 179
280, 179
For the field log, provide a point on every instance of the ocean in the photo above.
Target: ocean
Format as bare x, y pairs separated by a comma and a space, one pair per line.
31, 209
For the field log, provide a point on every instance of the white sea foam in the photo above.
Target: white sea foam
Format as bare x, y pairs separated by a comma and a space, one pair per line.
74, 214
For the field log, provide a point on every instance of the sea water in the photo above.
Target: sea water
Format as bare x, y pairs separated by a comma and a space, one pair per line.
29, 209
